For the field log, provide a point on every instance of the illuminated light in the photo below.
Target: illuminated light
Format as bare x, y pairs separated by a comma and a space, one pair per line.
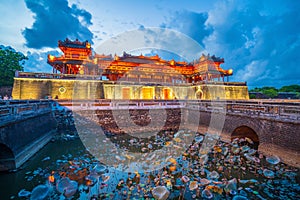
173, 161
51, 179
169, 183
172, 62
167, 143
172, 168
230, 71
88, 45
62, 90
177, 139
51, 57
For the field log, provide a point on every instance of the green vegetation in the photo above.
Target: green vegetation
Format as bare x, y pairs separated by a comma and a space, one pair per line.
252, 96
10, 61
290, 88
272, 92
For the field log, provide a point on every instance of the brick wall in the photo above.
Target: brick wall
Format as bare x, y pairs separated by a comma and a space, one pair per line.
275, 137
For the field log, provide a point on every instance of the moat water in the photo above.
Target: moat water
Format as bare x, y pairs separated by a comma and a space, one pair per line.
64, 169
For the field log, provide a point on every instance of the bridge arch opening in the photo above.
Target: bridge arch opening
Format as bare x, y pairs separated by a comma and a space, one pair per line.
246, 132
7, 158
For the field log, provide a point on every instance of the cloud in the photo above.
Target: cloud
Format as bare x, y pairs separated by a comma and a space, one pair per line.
37, 61
254, 70
55, 20
190, 23
259, 40
167, 40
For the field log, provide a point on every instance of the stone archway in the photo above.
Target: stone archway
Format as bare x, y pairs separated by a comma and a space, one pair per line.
7, 158
199, 94
245, 131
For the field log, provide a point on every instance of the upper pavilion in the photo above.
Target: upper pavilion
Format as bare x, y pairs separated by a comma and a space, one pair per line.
78, 58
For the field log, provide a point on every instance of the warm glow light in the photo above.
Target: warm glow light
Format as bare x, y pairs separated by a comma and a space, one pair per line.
88, 45
51, 179
172, 62
230, 71
51, 57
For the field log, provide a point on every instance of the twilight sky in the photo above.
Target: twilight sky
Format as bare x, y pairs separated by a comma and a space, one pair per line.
259, 39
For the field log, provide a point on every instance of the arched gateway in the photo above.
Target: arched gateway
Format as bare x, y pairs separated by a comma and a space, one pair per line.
245, 131
7, 158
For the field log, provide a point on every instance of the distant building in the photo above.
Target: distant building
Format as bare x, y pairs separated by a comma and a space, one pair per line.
287, 95
258, 95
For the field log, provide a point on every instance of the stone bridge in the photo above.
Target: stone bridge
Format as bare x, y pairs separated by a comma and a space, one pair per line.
273, 126
25, 127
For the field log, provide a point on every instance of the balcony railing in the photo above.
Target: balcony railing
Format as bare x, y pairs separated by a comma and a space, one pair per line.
122, 81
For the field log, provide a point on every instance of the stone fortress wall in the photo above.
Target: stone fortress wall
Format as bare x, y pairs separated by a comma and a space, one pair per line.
39, 88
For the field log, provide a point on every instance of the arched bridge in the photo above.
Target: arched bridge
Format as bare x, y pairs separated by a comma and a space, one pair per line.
25, 127
272, 125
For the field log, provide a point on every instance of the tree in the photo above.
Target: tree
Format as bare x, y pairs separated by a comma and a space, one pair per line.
252, 96
270, 92
10, 61
255, 90
290, 88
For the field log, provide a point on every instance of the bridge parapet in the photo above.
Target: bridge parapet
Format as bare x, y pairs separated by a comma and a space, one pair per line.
14, 110
281, 110
103, 104
266, 109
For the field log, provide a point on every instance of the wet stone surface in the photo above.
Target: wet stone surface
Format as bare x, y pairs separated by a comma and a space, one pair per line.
226, 171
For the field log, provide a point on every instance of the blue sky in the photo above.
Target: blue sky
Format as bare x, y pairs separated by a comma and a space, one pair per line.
259, 39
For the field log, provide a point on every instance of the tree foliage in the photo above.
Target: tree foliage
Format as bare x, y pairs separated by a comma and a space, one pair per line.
290, 88
272, 92
252, 96
10, 61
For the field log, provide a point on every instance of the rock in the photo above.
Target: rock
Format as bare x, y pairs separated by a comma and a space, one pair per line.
160, 193
274, 160
193, 185
206, 194
24, 193
268, 173
67, 187
239, 197
213, 175
40, 192
185, 179
46, 158
231, 186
